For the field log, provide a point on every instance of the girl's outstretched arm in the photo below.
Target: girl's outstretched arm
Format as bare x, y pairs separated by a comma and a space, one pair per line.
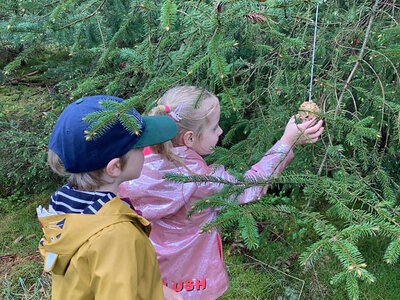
272, 163
277, 158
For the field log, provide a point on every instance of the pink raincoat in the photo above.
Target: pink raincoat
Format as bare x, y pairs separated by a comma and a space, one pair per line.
191, 263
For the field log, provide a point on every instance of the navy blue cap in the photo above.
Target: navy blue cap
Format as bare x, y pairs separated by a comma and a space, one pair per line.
68, 139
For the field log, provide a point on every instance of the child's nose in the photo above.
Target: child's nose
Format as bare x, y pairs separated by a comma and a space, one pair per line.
220, 131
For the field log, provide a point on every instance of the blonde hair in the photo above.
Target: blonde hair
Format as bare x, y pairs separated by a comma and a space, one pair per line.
87, 181
197, 104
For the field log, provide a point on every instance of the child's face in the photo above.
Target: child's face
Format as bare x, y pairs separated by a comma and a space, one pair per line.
134, 164
210, 134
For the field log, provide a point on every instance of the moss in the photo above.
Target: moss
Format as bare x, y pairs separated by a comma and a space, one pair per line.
22, 223
17, 98
251, 278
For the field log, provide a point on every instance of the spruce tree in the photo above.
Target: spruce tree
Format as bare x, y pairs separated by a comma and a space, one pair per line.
256, 57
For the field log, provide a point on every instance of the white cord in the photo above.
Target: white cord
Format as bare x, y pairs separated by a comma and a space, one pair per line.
313, 53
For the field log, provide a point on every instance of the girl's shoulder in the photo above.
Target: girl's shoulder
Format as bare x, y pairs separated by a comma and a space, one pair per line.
189, 157
186, 153
194, 161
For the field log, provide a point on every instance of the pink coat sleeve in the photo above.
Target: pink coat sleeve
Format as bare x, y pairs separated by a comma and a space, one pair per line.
158, 198
272, 164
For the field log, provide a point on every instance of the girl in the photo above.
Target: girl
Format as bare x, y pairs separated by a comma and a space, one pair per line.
190, 262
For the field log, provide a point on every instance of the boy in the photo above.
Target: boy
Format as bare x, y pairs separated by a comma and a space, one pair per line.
96, 246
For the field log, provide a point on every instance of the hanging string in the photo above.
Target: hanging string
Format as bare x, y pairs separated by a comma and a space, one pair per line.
313, 53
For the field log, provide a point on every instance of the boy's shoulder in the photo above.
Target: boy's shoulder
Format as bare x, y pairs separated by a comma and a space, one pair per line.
121, 235
64, 234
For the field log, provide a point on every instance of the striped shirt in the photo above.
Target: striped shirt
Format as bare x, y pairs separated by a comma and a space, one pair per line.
67, 200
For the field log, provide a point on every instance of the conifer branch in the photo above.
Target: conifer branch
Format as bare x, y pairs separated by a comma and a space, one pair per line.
102, 120
247, 181
228, 218
82, 19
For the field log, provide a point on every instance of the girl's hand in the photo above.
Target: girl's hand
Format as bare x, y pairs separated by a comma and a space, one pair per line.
304, 133
170, 294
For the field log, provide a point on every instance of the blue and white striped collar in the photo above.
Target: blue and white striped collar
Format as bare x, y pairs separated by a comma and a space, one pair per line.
67, 200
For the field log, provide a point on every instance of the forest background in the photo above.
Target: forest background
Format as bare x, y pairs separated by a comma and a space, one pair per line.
328, 228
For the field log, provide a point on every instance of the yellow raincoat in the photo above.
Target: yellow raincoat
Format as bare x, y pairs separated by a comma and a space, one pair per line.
103, 256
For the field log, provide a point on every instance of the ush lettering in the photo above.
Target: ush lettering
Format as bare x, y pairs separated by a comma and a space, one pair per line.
189, 285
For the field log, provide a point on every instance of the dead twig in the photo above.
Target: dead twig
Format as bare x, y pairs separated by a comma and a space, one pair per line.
360, 57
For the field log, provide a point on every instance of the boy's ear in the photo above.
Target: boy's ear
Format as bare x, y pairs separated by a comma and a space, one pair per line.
113, 168
189, 139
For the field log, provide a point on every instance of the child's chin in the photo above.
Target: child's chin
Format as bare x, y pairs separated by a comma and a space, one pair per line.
206, 153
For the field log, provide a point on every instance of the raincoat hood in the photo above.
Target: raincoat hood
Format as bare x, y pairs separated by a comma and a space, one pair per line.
64, 234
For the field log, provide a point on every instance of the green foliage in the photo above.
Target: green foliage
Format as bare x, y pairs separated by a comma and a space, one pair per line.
255, 56
101, 121
26, 282
8, 204
27, 118
168, 15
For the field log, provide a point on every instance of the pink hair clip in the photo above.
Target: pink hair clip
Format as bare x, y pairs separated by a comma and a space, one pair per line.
175, 114
163, 108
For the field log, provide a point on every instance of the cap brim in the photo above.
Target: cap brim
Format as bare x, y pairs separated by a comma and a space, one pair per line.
159, 129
